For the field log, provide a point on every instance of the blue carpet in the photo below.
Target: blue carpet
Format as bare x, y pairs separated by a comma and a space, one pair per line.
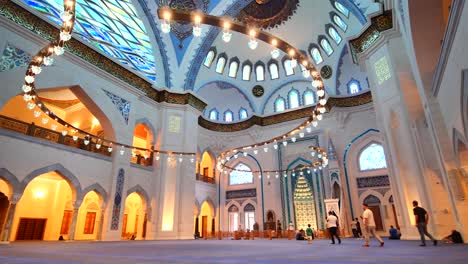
229, 251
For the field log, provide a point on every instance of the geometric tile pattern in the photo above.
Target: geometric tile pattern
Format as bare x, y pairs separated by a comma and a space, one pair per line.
117, 200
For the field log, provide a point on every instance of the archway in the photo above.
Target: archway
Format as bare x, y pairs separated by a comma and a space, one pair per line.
206, 167
45, 210
207, 219
143, 137
4, 203
89, 216
249, 217
134, 221
374, 205
233, 218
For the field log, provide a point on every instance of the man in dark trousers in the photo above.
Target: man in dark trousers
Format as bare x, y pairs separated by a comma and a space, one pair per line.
422, 219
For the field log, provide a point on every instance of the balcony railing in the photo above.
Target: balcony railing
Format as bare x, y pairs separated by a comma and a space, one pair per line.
204, 178
50, 135
141, 160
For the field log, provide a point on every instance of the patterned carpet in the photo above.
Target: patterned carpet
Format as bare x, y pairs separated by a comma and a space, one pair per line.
228, 251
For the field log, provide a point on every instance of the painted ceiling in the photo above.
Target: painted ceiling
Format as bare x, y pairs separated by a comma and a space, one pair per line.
128, 31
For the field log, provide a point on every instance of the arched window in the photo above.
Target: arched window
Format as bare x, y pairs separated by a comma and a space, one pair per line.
315, 53
249, 216
242, 114
209, 58
343, 10
280, 104
220, 65
372, 158
326, 46
334, 35
228, 116
246, 72
233, 67
309, 98
354, 87
339, 22
274, 70
293, 98
288, 67
213, 114
260, 72
233, 219
242, 175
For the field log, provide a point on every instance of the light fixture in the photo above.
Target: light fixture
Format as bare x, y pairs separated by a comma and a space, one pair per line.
275, 52
180, 158
245, 154
309, 129
320, 92
122, 150
110, 148
65, 36
285, 143
27, 97
301, 135
166, 23
319, 117
226, 34
29, 79
66, 16
75, 137
196, 28
192, 159
236, 156
323, 101
45, 120
59, 50
255, 152
48, 61
157, 157
265, 148
53, 127
36, 69
98, 145
86, 140
315, 123
253, 43
26, 88
317, 83
293, 139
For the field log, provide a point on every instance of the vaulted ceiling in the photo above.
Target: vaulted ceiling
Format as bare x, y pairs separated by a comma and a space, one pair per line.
128, 31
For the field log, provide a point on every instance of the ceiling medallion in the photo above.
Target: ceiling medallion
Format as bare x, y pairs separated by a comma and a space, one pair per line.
258, 91
268, 14
326, 72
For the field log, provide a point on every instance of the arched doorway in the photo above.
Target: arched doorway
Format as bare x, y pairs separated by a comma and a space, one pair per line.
4, 205
89, 216
233, 218
143, 138
206, 215
45, 210
206, 168
249, 217
374, 205
134, 221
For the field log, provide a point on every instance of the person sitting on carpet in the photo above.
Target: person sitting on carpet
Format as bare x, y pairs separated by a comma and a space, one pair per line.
394, 233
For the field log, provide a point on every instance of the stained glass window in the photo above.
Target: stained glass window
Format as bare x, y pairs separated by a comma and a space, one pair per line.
343, 10
220, 65
288, 67
242, 114
334, 35
274, 71
260, 72
372, 158
111, 26
246, 72
228, 116
353, 87
233, 69
214, 114
293, 97
326, 46
315, 53
339, 22
280, 104
209, 58
244, 176
309, 97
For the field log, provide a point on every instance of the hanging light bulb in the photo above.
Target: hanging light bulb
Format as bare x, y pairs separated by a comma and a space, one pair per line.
157, 156
48, 61
276, 176
228, 158
255, 151
294, 174
275, 53
196, 28
98, 144
312, 153
180, 158
53, 127
285, 175
145, 155
26, 88
236, 156
245, 154
320, 92
319, 117
75, 137
314, 123
293, 139
27, 97
268, 176
66, 16
29, 79
308, 171
86, 140
308, 129
315, 169
169, 158
110, 148
165, 24
64, 132
317, 83
192, 159
323, 101
301, 135
59, 50
45, 120
36, 69
65, 36
122, 150
259, 176
134, 154
285, 142
226, 34
275, 146
253, 43
265, 148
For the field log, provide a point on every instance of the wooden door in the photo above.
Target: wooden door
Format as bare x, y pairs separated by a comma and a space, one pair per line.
66, 222
31, 229
4, 205
204, 225
377, 217
124, 225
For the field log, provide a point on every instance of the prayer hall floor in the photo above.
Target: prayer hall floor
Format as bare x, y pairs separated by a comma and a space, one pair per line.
230, 251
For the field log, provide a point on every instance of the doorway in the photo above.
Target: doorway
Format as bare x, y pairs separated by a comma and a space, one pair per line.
31, 229
204, 225
4, 204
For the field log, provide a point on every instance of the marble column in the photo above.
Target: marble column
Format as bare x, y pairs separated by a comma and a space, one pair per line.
10, 217
71, 235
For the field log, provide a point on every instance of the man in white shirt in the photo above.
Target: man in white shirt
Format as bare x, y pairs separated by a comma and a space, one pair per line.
332, 224
369, 226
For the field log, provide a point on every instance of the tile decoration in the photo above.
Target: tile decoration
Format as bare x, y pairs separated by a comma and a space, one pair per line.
12, 58
122, 105
117, 200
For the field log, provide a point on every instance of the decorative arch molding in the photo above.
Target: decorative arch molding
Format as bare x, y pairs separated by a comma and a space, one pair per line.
145, 121
210, 202
247, 202
141, 191
272, 92
370, 193
233, 203
96, 187
11, 180
65, 173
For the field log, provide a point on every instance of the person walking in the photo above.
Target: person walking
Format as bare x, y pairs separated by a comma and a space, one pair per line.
422, 219
332, 222
310, 234
369, 226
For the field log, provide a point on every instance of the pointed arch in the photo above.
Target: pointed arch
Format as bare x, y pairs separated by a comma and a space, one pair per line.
145, 121
59, 168
211, 204
294, 99
11, 180
146, 198
96, 187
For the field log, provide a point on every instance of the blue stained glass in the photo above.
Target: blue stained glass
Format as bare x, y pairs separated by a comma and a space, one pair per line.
241, 177
309, 98
214, 115
243, 114
340, 23
316, 55
334, 35
372, 158
354, 87
342, 9
109, 25
326, 46
228, 116
293, 97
